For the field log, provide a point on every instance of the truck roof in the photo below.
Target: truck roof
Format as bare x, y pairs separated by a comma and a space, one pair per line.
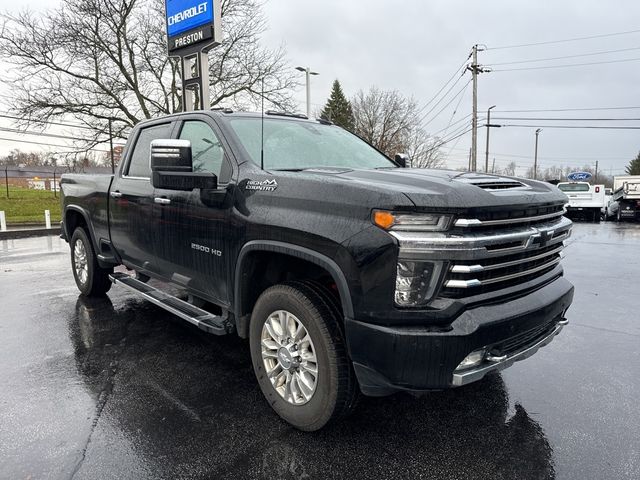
227, 112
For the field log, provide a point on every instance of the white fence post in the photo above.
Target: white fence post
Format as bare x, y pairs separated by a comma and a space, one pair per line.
47, 218
3, 222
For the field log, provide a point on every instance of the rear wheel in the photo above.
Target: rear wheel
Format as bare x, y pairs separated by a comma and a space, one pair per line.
299, 355
91, 279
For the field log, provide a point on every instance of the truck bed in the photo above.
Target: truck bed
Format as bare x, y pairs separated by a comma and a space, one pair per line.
91, 193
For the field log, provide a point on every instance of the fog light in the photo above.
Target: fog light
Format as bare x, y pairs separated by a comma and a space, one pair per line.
474, 358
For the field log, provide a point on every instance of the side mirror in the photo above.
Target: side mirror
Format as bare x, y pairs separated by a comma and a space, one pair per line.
172, 167
171, 156
402, 159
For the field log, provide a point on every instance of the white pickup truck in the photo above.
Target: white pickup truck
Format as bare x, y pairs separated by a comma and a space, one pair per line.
585, 200
625, 200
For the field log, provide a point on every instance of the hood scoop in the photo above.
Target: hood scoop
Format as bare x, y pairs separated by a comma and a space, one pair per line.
489, 182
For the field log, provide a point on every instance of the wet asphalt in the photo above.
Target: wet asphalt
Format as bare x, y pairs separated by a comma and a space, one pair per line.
117, 388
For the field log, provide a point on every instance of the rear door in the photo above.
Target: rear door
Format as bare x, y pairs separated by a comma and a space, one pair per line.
133, 229
194, 227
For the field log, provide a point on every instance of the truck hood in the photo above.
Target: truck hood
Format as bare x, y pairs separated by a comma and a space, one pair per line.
446, 189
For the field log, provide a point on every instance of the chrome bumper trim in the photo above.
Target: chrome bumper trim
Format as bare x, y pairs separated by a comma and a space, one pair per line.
477, 245
474, 222
468, 376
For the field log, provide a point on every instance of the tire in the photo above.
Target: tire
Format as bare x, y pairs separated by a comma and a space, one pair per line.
312, 401
91, 279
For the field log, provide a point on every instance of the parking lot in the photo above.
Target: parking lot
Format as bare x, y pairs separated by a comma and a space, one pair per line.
117, 388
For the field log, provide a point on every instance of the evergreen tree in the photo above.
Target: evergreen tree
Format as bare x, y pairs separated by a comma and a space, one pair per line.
634, 166
338, 108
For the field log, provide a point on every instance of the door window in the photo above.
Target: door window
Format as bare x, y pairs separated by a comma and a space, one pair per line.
140, 163
206, 149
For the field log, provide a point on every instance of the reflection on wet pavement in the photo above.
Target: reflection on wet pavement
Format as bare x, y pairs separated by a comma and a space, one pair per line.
117, 388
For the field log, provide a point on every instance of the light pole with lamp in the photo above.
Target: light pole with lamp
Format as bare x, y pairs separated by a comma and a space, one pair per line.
486, 153
308, 74
535, 158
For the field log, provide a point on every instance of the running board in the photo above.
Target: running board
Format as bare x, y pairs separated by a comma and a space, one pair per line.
207, 321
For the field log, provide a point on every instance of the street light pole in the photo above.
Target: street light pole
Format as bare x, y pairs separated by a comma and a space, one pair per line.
308, 74
535, 158
486, 153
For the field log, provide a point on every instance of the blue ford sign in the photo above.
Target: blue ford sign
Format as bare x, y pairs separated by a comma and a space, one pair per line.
184, 15
579, 176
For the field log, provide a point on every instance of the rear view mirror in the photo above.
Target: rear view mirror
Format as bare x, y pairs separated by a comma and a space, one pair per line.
172, 167
402, 160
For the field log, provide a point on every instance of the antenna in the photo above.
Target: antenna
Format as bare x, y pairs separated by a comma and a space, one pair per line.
262, 129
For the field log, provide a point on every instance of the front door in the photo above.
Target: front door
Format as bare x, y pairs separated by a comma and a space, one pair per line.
194, 227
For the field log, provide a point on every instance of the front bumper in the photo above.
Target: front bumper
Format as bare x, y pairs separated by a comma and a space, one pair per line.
418, 358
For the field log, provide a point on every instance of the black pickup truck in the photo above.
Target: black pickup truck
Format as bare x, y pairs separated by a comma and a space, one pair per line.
346, 272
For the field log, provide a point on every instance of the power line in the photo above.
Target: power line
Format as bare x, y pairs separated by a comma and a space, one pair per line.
448, 81
451, 124
47, 122
461, 91
50, 145
453, 114
605, 127
567, 109
558, 159
44, 134
575, 39
454, 134
565, 65
456, 137
590, 54
570, 119
441, 99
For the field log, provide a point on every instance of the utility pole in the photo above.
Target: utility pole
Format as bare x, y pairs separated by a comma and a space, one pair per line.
596, 171
535, 158
308, 74
486, 153
475, 70
493, 165
113, 169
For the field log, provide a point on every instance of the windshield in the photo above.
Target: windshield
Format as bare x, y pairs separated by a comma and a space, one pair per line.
296, 145
574, 187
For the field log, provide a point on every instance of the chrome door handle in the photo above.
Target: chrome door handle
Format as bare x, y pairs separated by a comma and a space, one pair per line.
116, 195
162, 201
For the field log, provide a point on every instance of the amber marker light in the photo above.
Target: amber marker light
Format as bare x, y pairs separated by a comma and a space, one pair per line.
383, 219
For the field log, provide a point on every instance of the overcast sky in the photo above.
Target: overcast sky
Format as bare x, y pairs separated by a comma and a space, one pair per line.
415, 46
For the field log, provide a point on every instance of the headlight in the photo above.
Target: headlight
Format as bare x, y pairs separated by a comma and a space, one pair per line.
415, 222
416, 282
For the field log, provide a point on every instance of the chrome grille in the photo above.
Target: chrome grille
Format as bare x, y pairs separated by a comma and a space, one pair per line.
484, 259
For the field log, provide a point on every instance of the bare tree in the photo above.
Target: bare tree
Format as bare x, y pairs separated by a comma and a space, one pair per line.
510, 169
424, 150
391, 123
105, 60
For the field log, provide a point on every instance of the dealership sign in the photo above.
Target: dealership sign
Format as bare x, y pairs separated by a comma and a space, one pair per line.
579, 177
192, 25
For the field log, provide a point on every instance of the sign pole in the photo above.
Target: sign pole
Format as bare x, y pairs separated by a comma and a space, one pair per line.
193, 28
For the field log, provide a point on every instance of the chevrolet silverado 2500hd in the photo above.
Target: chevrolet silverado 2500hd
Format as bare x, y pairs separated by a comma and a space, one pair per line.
347, 273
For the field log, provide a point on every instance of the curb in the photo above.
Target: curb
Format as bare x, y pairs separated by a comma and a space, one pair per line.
31, 232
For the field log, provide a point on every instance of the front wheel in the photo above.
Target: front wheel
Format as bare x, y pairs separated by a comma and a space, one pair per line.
299, 355
91, 279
